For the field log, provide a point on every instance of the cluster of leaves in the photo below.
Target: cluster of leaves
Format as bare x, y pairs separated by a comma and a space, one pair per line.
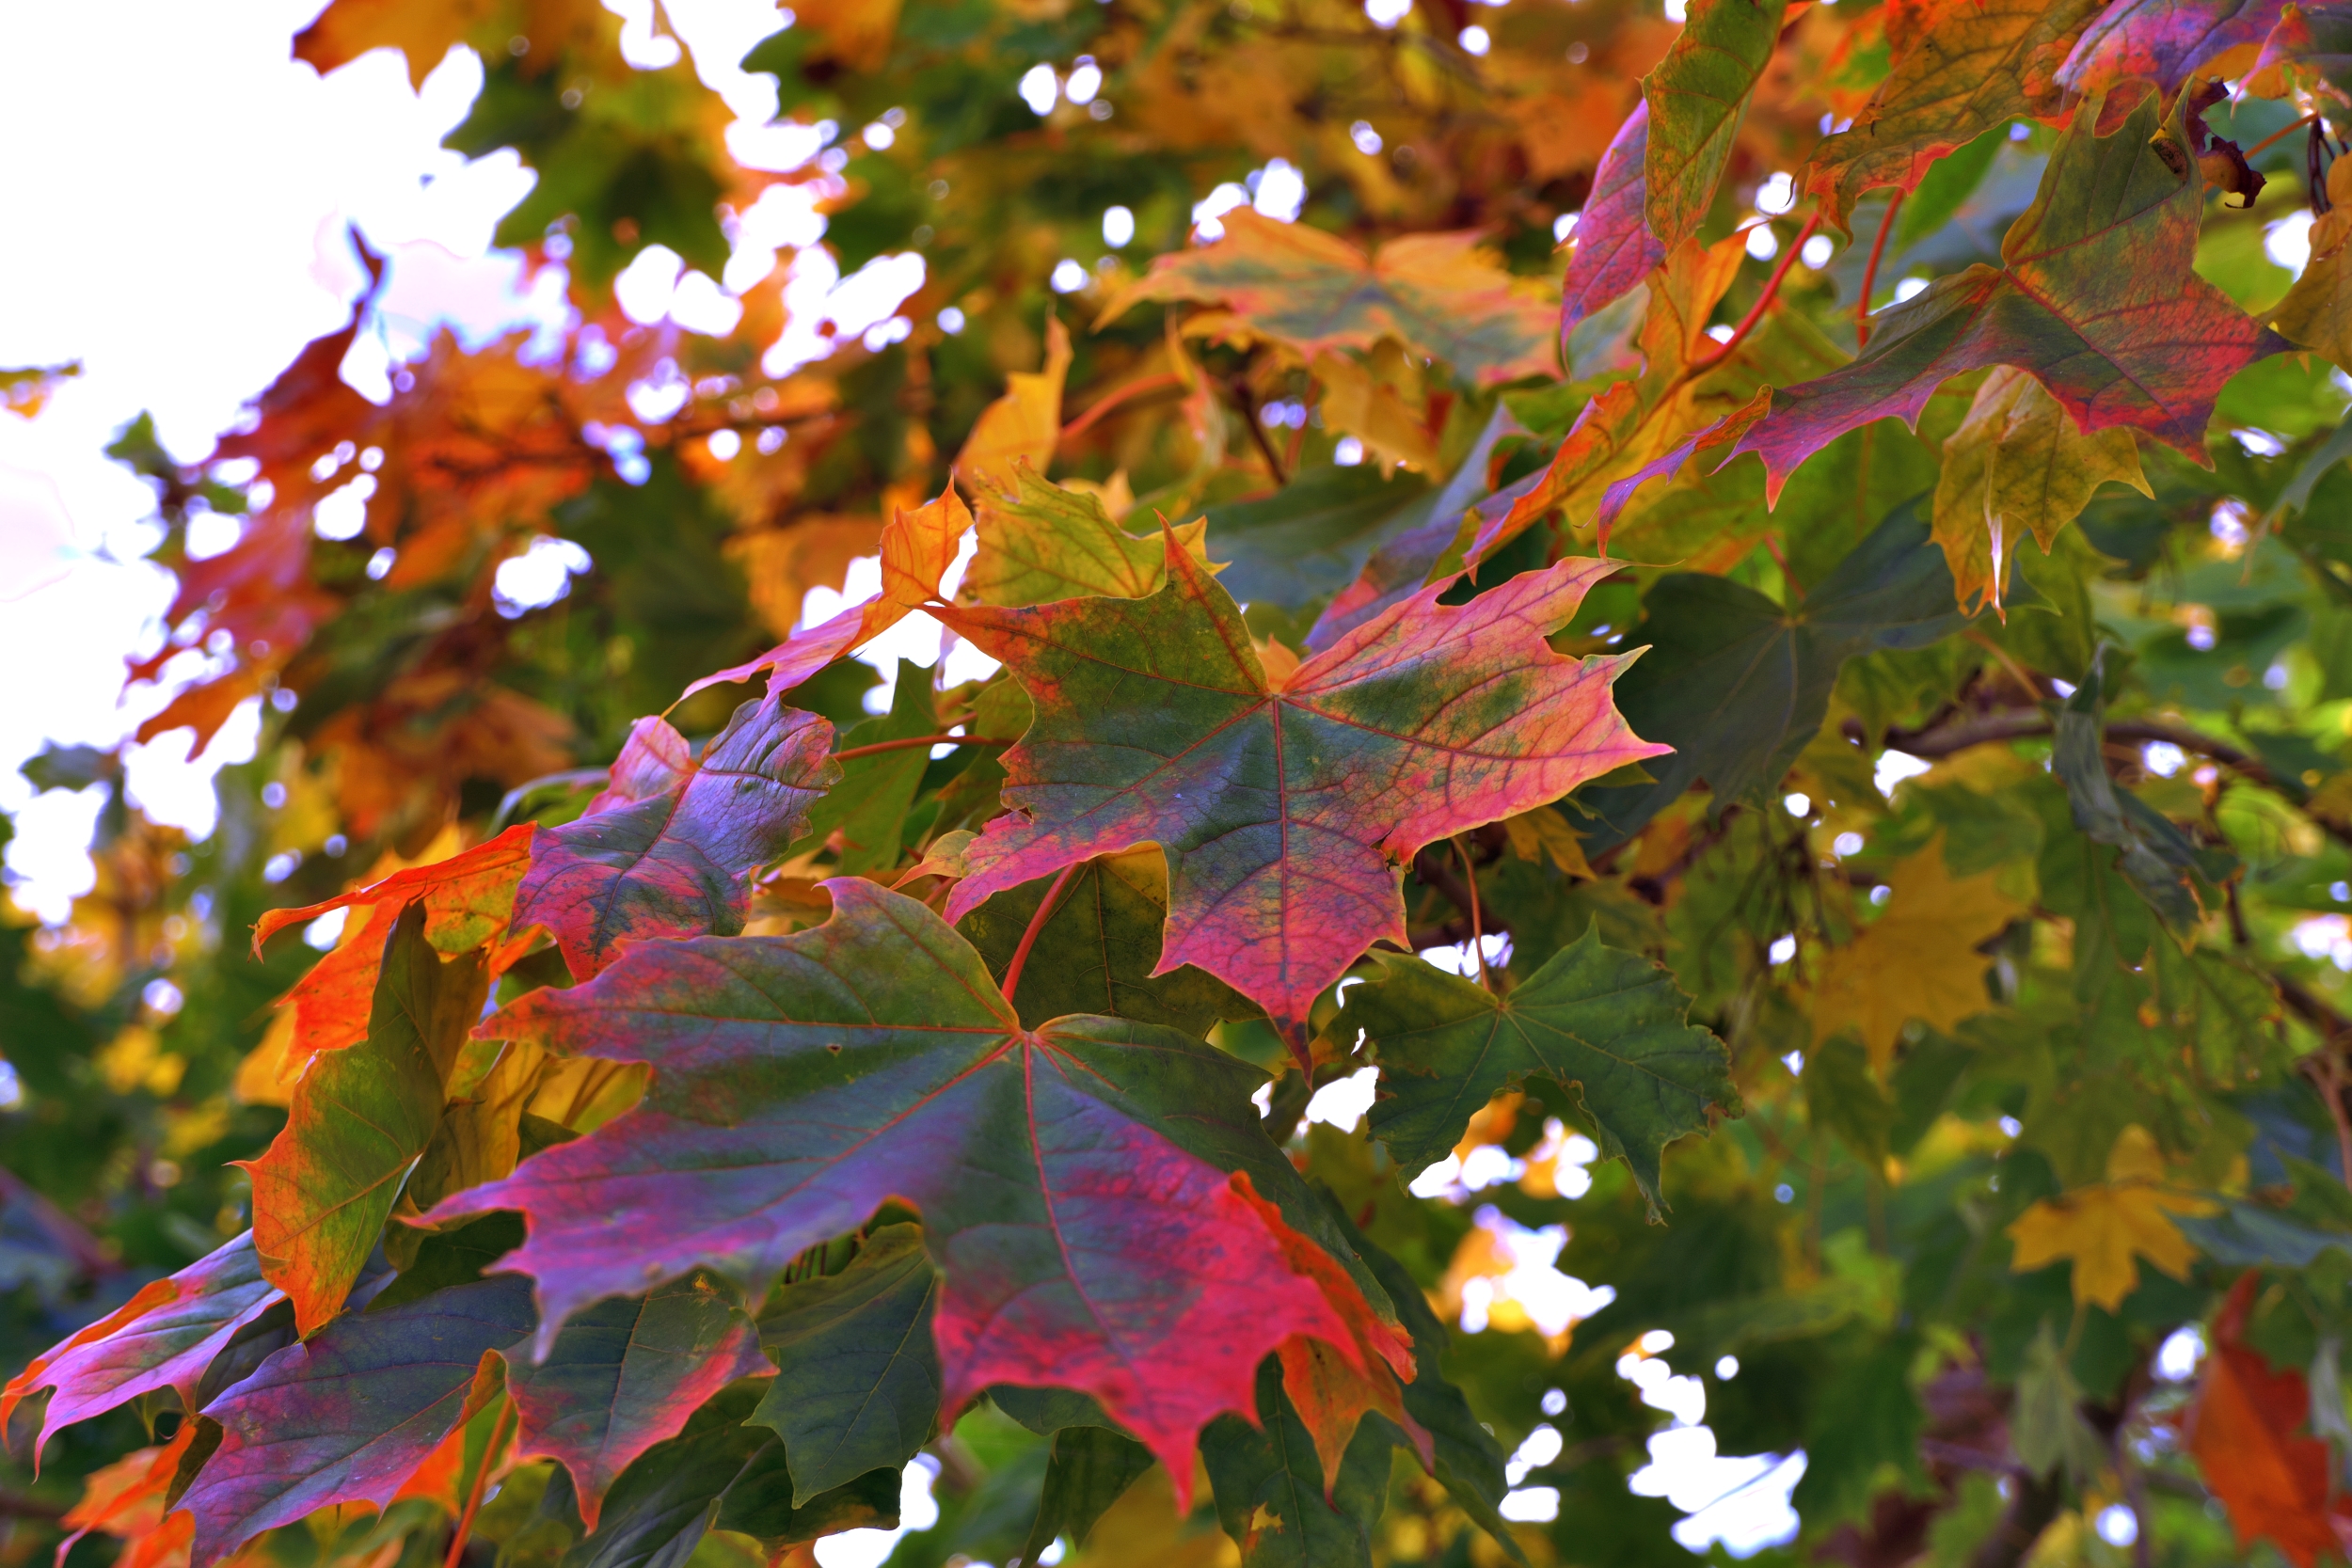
671, 1128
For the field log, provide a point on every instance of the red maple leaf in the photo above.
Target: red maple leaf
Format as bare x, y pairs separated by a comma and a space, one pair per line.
1088, 1189
1287, 808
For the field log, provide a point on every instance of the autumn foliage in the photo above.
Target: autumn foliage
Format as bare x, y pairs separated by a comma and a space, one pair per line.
1474, 559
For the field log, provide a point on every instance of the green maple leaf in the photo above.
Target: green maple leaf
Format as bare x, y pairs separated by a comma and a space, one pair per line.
1611, 1025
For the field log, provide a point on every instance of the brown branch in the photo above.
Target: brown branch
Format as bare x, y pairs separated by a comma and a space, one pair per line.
1942, 741
1433, 871
23, 1505
1960, 1456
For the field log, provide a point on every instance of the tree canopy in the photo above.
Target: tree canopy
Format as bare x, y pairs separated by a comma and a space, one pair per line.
1505, 776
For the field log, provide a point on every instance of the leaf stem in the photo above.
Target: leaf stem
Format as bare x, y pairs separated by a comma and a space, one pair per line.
1248, 406
1870, 273
1478, 936
473, 1492
1756, 311
1011, 981
908, 742
1112, 399
2274, 138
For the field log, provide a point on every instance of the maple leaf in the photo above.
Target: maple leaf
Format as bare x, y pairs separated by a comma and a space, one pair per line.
625, 1374
347, 1414
872, 1058
1739, 685
1088, 1470
1435, 294
2017, 465
1331, 1390
1468, 1460
1365, 401
1286, 809
304, 412
1918, 960
1020, 429
467, 896
1395, 553
2243, 1431
1611, 1025
1039, 542
858, 1382
1696, 98
2316, 312
2311, 46
260, 595
2105, 1227
1273, 1495
917, 548
361, 1116
2164, 41
165, 1336
2094, 296
422, 32
1979, 67
127, 1500
678, 860
1615, 247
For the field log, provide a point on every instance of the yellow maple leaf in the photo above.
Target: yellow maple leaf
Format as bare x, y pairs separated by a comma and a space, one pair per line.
781, 564
1917, 960
2105, 1227
1026, 422
1365, 401
1544, 832
2018, 465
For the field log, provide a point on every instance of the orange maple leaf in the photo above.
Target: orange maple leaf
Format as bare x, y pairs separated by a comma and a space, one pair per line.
2243, 1431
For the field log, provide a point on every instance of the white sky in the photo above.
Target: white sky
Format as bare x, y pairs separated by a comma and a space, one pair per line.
142, 119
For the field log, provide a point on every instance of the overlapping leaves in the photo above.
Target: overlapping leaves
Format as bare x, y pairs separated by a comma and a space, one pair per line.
1090, 1236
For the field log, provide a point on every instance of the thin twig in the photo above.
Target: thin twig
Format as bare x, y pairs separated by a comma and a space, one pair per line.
1870, 275
1478, 937
23, 1505
1772, 544
1239, 390
2274, 138
1112, 399
481, 1477
1763, 301
1036, 922
908, 742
